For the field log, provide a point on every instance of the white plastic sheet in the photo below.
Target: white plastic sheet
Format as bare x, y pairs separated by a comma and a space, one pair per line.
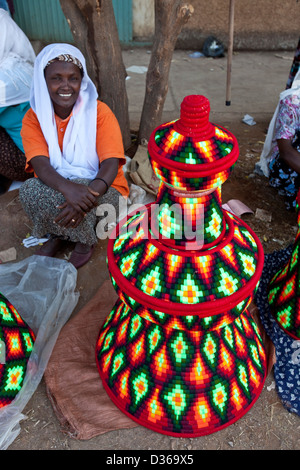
43, 290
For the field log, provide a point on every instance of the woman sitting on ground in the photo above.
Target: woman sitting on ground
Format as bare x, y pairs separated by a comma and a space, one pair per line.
280, 159
73, 144
16, 69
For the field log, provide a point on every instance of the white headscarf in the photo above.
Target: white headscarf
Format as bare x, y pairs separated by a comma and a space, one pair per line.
79, 157
270, 142
16, 62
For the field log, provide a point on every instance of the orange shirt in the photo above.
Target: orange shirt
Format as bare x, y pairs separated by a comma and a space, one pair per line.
108, 141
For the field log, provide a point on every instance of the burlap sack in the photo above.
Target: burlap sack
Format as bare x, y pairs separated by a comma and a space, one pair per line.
141, 172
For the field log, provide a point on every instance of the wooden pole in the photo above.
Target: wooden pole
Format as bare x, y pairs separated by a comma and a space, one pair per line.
229, 53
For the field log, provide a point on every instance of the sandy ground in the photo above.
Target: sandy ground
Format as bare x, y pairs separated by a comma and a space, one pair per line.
257, 79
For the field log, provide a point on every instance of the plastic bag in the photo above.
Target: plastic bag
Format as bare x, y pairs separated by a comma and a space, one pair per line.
212, 47
43, 290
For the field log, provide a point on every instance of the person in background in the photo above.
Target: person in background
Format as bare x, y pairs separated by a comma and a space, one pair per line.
16, 69
280, 158
74, 146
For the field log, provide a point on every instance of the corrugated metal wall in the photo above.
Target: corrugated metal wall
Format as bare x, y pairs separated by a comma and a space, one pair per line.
44, 20
123, 15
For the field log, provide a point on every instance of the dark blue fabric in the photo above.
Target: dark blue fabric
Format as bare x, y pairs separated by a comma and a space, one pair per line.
4, 5
287, 366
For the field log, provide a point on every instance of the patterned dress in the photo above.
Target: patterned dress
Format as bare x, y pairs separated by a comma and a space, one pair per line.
282, 177
12, 158
286, 367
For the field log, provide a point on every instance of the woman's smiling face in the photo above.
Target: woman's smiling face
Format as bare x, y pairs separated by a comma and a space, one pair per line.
63, 81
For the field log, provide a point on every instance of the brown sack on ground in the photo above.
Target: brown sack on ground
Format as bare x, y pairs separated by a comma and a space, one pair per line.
73, 383
141, 172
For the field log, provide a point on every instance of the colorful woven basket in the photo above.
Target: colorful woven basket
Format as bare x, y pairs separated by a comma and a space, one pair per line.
191, 154
16, 344
284, 290
180, 353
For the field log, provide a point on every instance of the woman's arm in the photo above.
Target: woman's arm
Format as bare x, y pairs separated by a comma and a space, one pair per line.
289, 154
98, 186
108, 172
79, 198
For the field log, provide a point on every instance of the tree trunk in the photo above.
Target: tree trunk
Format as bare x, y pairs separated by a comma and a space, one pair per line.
170, 16
79, 30
93, 25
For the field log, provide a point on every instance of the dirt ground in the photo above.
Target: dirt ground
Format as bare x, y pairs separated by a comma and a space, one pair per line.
267, 426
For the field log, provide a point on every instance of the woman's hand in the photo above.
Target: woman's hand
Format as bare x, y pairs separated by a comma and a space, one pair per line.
80, 199
69, 217
289, 154
78, 196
